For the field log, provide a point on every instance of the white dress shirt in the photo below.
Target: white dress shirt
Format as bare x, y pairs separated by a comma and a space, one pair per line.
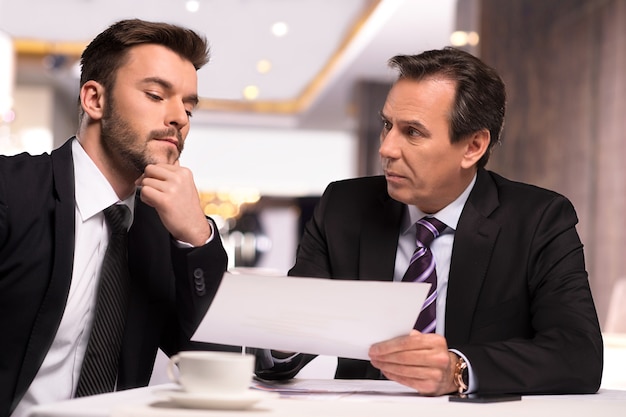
441, 249
58, 376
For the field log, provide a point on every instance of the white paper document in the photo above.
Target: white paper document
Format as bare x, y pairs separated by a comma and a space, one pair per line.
333, 386
310, 315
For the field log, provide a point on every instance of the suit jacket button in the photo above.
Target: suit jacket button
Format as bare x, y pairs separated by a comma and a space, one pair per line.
200, 288
198, 279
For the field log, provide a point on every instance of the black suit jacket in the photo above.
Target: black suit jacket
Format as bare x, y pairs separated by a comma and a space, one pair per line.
518, 303
171, 288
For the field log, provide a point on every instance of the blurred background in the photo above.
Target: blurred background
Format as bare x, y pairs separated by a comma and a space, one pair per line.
290, 101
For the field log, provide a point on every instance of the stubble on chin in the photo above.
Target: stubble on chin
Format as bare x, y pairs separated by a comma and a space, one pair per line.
152, 156
134, 161
170, 155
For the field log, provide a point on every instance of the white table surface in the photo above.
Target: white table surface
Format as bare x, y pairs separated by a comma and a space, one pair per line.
147, 402
614, 374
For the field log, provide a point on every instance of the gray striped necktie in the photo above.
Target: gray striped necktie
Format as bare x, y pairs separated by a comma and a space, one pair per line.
99, 369
422, 269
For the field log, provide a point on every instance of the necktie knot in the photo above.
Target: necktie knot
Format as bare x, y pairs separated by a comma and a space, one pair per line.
117, 217
426, 230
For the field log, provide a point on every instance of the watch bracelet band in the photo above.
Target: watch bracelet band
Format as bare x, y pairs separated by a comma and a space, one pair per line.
460, 375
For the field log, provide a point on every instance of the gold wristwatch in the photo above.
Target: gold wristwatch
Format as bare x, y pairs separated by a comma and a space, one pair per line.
461, 377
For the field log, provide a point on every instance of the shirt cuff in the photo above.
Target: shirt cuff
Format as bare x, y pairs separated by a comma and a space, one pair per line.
185, 245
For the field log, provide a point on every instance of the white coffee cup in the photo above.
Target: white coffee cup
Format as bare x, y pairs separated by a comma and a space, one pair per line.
215, 373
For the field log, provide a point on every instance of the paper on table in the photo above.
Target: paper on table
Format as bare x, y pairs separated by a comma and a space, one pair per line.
333, 386
310, 315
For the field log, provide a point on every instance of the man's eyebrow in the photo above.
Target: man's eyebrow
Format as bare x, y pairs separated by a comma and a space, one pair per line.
404, 122
415, 123
157, 80
192, 99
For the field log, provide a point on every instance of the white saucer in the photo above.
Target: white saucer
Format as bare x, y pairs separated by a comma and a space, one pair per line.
218, 402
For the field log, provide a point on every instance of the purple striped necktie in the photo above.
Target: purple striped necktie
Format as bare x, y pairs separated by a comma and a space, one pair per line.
422, 269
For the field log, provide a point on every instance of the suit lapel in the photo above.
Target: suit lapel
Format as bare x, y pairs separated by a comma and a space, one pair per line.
53, 304
379, 240
474, 241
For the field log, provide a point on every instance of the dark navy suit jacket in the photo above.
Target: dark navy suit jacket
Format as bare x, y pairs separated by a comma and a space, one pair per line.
518, 302
171, 288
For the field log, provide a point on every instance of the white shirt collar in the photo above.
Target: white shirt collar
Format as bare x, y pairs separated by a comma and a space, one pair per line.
93, 193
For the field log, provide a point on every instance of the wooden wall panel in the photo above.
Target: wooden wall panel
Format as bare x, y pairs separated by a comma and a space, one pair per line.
564, 66
370, 97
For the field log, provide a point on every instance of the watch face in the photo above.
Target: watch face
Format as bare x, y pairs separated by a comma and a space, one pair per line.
465, 375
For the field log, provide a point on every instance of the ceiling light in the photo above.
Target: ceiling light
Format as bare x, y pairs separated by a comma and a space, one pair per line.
280, 29
473, 38
462, 38
192, 6
458, 38
7, 116
263, 66
251, 92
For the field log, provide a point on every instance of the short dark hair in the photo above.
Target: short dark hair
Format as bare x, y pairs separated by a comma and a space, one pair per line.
480, 99
107, 52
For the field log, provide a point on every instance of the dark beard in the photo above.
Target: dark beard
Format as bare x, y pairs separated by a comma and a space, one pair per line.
126, 147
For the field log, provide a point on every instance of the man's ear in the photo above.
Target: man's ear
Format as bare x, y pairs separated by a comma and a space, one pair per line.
92, 99
476, 145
